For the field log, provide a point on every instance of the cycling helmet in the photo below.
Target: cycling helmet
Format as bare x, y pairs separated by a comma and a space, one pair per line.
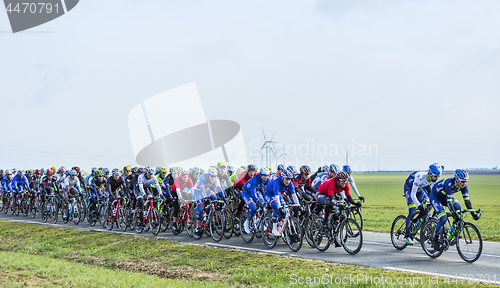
184, 173
173, 170
325, 168
135, 170
461, 174
221, 165
99, 173
37, 171
76, 168
230, 169
157, 170
347, 168
61, 169
149, 170
73, 172
264, 171
334, 169
197, 170
8, 172
127, 169
305, 169
141, 170
53, 169
286, 174
105, 170
94, 169
163, 170
20, 172
280, 167
342, 175
435, 169
292, 169
116, 172
270, 170
212, 171
49, 172
252, 167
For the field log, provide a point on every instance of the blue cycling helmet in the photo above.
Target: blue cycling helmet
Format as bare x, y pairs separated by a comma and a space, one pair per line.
292, 169
197, 170
325, 168
334, 169
461, 174
280, 167
435, 169
286, 174
73, 172
347, 168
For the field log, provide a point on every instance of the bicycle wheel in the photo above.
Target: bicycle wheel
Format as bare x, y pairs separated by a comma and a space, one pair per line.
426, 235
76, 213
109, 218
267, 234
25, 206
54, 212
33, 207
293, 234
91, 217
247, 237
154, 221
137, 221
306, 229
228, 228
102, 217
398, 229
351, 236
470, 242
190, 222
217, 225
319, 236
121, 219
83, 211
357, 216
164, 219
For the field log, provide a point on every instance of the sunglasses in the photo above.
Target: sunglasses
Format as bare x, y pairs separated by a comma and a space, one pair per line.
464, 181
343, 180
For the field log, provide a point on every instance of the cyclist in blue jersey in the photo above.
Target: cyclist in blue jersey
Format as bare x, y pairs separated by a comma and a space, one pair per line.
19, 182
442, 194
274, 199
251, 194
416, 196
205, 187
7, 182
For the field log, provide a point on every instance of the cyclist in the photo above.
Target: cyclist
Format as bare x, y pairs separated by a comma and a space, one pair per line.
71, 185
328, 173
61, 175
224, 180
230, 171
114, 185
204, 188
302, 183
442, 194
415, 194
327, 191
48, 185
238, 186
18, 183
278, 173
194, 174
251, 194
126, 172
106, 173
7, 183
181, 185
97, 185
236, 174
274, 199
352, 184
143, 188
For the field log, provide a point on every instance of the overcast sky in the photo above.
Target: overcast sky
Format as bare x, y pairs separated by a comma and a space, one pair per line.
403, 83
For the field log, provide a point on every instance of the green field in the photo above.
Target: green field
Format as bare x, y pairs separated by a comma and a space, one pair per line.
43, 256
385, 201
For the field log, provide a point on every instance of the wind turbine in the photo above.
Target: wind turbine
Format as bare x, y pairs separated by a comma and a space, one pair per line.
268, 144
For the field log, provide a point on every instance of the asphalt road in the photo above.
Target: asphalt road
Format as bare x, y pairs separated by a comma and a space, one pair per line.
377, 251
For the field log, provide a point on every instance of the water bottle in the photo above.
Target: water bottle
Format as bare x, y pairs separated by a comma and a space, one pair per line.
417, 225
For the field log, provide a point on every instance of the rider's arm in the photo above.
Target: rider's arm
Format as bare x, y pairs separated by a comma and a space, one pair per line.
353, 185
292, 191
465, 195
413, 194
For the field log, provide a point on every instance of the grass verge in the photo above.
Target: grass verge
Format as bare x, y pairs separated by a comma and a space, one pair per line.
113, 253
